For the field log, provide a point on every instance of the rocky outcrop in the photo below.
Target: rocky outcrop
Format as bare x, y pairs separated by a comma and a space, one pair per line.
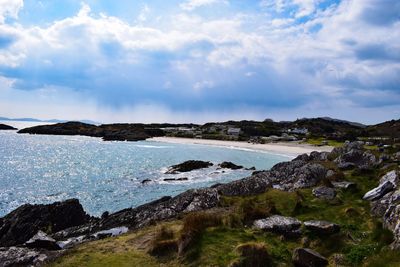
6, 127
353, 155
230, 165
255, 184
20, 256
324, 192
42, 241
279, 224
109, 132
379, 191
386, 203
161, 209
322, 227
188, 166
304, 257
23, 223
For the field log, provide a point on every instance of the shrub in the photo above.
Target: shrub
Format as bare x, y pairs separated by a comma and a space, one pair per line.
252, 255
163, 243
252, 210
163, 248
358, 253
193, 225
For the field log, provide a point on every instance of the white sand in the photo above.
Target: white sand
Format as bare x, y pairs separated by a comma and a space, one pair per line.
284, 148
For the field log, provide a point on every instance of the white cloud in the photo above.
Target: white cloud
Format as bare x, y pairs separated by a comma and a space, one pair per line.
10, 8
328, 63
190, 5
203, 85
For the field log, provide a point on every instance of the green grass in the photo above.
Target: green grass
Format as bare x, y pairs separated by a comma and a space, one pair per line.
362, 240
318, 141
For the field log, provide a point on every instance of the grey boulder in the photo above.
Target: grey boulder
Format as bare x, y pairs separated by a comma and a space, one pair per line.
322, 227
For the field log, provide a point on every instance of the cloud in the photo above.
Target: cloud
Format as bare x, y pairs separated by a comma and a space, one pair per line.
190, 5
313, 54
10, 8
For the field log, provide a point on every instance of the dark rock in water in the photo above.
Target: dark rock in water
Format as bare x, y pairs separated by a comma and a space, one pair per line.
324, 192
304, 257
42, 241
24, 222
6, 127
145, 181
188, 166
345, 185
175, 179
230, 165
21, 256
251, 169
279, 224
322, 227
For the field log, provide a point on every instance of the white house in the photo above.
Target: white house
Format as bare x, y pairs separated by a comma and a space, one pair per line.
234, 131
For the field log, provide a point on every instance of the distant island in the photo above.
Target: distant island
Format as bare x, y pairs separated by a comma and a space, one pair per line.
6, 127
317, 131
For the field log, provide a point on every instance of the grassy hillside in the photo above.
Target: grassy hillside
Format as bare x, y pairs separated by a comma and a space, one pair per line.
217, 237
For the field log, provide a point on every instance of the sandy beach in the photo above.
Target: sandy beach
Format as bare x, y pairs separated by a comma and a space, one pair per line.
291, 149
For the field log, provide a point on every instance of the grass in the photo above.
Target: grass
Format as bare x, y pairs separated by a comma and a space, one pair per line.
318, 141
216, 235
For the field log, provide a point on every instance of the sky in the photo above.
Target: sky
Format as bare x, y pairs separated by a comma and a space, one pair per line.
200, 60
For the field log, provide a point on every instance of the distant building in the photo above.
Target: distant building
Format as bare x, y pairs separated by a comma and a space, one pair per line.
233, 131
298, 131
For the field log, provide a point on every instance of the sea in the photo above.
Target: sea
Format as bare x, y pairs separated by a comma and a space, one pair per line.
108, 176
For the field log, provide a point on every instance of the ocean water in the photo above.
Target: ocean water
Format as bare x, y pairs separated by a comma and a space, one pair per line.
107, 176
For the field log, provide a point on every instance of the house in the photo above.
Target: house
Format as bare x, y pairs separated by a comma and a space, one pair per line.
233, 131
298, 131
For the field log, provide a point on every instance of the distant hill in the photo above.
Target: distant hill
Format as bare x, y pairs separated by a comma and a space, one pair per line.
38, 120
387, 129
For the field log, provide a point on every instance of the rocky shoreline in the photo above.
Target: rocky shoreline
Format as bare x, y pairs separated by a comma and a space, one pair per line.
35, 234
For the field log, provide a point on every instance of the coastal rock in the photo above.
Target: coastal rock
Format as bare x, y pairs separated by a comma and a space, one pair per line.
296, 174
230, 165
322, 227
255, 184
6, 127
304, 257
188, 166
42, 241
356, 158
175, 179
279, 224
162, 209
21, 256
21, 224
324, 192
319, 156
379, 191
